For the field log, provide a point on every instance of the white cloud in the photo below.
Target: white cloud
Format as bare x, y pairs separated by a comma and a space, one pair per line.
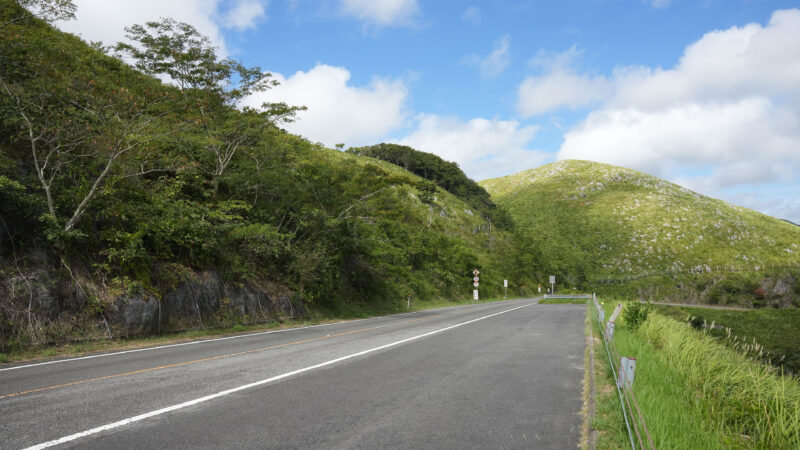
483, 148
97, 20
337, 111
729, 109
472, 15
746, 141
382, 12
495, 62
245, 14
559, 87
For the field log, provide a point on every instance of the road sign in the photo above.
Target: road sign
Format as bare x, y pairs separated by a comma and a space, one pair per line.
476, 272
476, 279
475, 294
505, 283
475, 284
552, 279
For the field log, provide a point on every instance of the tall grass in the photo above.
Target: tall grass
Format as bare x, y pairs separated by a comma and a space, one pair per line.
744, 403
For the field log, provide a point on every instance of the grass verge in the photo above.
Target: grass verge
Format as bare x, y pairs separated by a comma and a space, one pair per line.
695, 392
777, 330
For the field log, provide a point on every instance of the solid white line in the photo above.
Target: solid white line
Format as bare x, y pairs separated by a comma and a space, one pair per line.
161, 411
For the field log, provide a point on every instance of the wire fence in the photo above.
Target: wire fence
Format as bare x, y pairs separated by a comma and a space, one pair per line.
623, 379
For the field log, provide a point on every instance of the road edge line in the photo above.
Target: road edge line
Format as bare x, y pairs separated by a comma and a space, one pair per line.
226, 392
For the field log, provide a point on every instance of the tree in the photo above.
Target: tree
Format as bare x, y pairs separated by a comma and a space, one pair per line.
216, 87
47, 10
72, 121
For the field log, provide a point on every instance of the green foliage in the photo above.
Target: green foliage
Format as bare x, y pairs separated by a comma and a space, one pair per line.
635, 313
445, 174
778, 331
198, 184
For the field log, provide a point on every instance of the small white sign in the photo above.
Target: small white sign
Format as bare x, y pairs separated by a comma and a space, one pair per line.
475, 294
505, 283
476, 279
552, 279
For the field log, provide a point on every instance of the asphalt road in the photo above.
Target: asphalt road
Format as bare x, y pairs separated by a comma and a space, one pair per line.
499, 375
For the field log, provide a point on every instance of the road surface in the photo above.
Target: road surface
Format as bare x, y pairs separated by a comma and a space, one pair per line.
499, 375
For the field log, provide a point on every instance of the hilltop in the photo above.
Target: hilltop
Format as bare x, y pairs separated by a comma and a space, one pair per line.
142, 207
595, 224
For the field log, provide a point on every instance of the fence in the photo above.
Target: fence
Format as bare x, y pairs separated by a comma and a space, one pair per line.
623, 378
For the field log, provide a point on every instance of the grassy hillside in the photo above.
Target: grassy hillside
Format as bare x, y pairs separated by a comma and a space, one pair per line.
769, 335
131, 206
595, 224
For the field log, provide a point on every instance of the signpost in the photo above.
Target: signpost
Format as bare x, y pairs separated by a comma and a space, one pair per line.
475, 283
552, 284
505, 288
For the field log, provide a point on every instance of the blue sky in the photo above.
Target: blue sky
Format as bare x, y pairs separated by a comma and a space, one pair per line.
703, 93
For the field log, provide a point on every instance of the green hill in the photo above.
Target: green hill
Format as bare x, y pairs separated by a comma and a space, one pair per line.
131, 206
615, 229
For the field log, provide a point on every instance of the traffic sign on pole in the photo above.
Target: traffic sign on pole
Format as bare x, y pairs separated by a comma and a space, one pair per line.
476, 284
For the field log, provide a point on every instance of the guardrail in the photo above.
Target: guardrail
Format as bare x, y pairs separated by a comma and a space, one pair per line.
623, 378
567, 296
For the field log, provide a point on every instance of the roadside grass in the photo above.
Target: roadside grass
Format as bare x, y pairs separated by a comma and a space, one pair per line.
316, 318
694, 392
777, 330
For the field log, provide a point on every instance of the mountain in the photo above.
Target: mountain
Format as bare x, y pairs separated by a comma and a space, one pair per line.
615, 229
131, 206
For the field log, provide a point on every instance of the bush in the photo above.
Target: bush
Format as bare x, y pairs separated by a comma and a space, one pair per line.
635, 313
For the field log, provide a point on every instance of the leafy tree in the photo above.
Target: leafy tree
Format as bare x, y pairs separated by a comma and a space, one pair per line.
71, 120
47, 10
445, 174
215, 87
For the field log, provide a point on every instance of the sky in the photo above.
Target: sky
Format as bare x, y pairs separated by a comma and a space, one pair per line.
704, 93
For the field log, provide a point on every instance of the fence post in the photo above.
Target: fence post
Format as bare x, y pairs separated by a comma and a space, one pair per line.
627, 368
610, 330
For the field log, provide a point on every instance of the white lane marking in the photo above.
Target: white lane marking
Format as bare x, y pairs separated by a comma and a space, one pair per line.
239, 336
196, 401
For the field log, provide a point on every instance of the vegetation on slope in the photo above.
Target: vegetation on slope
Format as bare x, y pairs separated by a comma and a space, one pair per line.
593, 224
116, 189
444, 174
771, 335
695, 392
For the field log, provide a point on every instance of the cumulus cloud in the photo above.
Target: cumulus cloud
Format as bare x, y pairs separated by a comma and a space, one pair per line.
495, 62
483, 148
382, 12
337, 111
727, 136
472, 15
559, 86
96, 20
730, 108
244, 14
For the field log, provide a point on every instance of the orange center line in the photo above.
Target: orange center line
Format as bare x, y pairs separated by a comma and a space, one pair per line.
212, 358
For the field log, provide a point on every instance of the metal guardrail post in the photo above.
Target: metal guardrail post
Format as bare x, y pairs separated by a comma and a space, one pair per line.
627, 368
